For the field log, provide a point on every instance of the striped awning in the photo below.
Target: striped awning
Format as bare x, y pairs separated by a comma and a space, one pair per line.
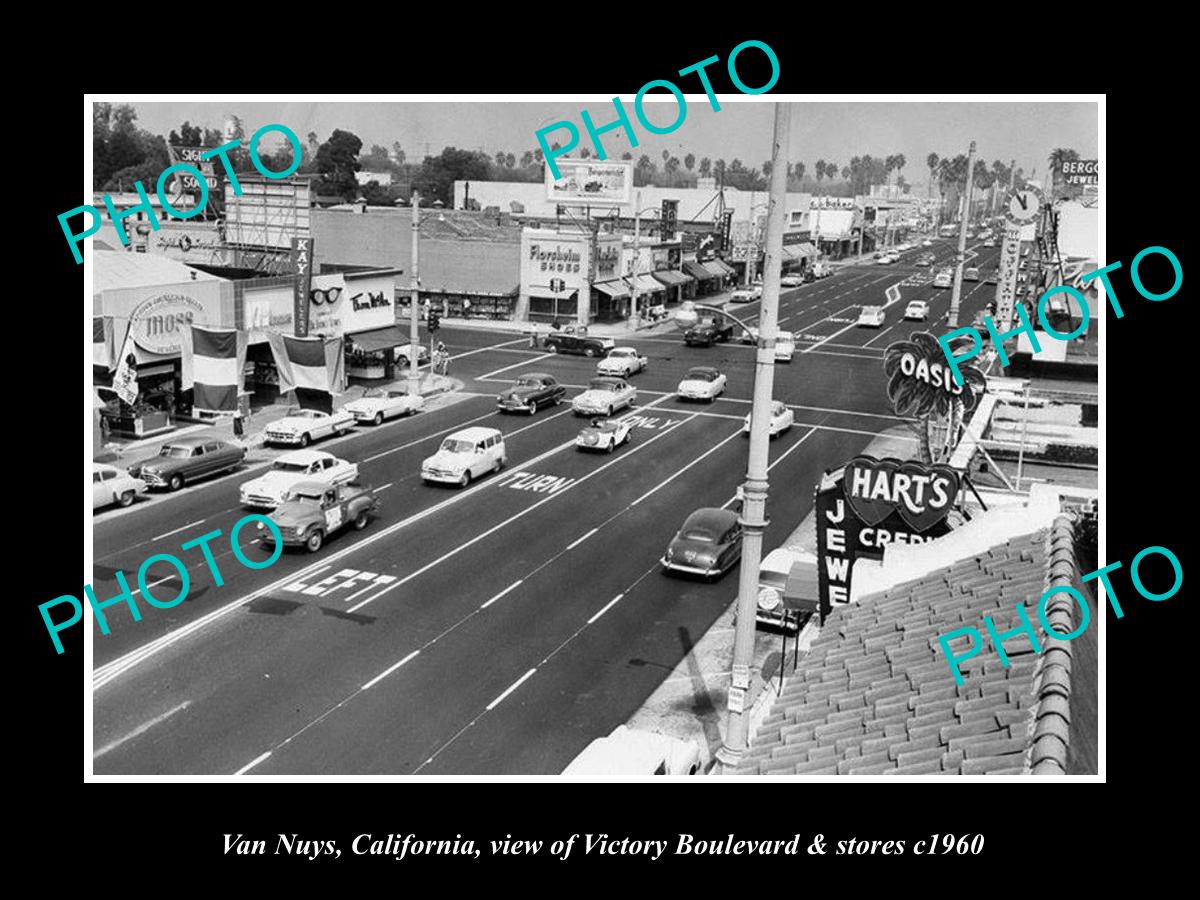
615, 289
721, 266
698, 271
671, 277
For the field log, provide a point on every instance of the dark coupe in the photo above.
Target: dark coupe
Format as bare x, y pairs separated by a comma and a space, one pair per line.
187, 459
531, 391
707, 332
709, 544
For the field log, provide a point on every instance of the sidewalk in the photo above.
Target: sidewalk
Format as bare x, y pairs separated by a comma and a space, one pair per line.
126, 453
691, 703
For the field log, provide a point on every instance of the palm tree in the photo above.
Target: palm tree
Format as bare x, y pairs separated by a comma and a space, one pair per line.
1058, 156
585, 152
499, 159
820, 169
538, 156
888, 165
846, 173
900, 163
673, 164
932, 162
510, 161
799, 169
766, 169
689, 161
526, 159
666, 155
705, 167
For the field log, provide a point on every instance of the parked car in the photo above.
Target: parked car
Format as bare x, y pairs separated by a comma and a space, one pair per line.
268, 490
971, 274
746, 294
604, 396
302, 426
782, 418
572, 342
313, 510
377, 404
113, 485
709, 544
989, 243
464, 455
405, 353
630, 752
822, 269
926, 243
623, 361
701, 383
530, 392
943, 279
923, 262
707, 332
918, 310
993, 277
188, 459
794, 279
607, 435
775, 607
871, 317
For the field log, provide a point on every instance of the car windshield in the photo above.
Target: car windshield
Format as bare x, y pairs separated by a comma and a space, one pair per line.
701, 375
297, 413
598, 384
622, 351
529, 382
450, 445
315, 496
375, 392
175, 452
285, 466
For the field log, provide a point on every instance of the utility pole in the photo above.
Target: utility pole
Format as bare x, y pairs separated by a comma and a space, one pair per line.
414, 337
753, 513
637, 219
956, 291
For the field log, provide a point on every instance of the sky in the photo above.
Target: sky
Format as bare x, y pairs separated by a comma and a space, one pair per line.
835, 131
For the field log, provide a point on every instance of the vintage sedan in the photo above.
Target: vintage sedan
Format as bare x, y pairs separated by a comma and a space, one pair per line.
701, 383
623, 361
785, 343
604, 396
746, 294
917, 310
871, 317
312, 511
113, 485
795, 279
377, 404
405, 352
188, 459
607, 435
268, 490
782, 418
707, 332
633, 752
300, 427
709, 544
531, 391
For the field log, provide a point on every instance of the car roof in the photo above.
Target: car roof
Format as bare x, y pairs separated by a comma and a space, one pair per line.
303, 457
705, 369
101, 467
608, 379
711, 515
190, 442
619, 349
474, 433
624, 752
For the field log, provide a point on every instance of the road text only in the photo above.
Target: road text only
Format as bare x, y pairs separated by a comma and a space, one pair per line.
622, 121
163, 179
998, 338
181, 573
1053, 612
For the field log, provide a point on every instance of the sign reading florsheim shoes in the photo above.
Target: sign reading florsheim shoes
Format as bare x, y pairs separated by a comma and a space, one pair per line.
870, 504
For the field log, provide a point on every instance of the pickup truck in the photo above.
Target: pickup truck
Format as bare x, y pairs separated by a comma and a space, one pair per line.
313, 510
707, 332
573, 342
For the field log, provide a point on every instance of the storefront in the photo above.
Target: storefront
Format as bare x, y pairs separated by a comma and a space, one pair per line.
570, 276
659, 280
707, 282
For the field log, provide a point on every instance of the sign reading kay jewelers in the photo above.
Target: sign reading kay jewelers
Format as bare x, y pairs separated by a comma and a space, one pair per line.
870, 504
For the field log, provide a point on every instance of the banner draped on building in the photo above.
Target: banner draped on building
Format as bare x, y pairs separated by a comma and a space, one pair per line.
125, 382
213, 362
309, 364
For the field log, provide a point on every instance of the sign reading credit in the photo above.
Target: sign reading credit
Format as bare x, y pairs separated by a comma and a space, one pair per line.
870, 504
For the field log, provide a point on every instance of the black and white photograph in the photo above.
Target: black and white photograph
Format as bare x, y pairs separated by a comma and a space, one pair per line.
481, 438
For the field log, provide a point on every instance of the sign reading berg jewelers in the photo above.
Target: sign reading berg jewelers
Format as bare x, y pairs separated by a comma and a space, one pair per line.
870, 504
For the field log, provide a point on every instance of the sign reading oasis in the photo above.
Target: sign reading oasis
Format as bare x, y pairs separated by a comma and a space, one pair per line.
920, 383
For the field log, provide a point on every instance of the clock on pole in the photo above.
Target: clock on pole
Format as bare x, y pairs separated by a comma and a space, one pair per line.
1024, 205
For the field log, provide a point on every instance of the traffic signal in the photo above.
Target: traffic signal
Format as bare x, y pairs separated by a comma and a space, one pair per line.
434, 321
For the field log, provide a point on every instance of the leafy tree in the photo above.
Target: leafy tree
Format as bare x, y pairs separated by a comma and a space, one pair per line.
398, 154
819, 170
627, 156
705, 167
500, 159
666, 155
435, 179
526, 159
377, 160
510, 161
846, 173
585, 152
689, 161
337, 161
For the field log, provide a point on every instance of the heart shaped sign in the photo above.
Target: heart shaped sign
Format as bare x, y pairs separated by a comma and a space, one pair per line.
867, 483
923, 503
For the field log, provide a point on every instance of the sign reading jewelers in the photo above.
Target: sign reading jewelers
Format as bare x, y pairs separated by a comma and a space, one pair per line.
302, 249
870, 504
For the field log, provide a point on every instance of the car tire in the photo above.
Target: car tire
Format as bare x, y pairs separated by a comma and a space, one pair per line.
499, 465
360, 521
378, 418
610, 410
558, 401
612, 445
589, 352
531, 406
304, 440
175, 483
466, 478
125, 499
314, 540
552, 348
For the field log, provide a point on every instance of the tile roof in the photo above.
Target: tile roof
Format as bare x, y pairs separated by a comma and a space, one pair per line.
875, 695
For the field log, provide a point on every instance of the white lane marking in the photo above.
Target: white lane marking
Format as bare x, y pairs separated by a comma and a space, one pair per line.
382, 579
516, 684
151, 584
579, 541
509, 434
159, 537
492, 347
110, 670
141, 729
486, 415
605, 609
826, 409
708, 452
524, 362
812, 430
250, 765
511, 587
882, 333
378, 678
300, 585
383, 487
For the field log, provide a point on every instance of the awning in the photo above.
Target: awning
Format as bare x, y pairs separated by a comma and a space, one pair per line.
805, 249
698, 271
671, 277
379, 338
615, 289
646, 284
790, 253
718, 268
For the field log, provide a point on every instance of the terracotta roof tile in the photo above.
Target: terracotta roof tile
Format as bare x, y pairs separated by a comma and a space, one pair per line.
993, 765
874, 759
982, 726
924, 767
992, 747
822, 753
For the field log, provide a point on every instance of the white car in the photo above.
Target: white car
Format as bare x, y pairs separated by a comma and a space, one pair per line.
918, 310
623, 361
746, 294
791, 280
113, 485
604, 396
268, 490
465, 455
377, 404
630, 752
927, 243
989, 243
701, 383
871, 316
785, 347
302, 426
886, 259
943, 279
782, 418
607, 435
404, 354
